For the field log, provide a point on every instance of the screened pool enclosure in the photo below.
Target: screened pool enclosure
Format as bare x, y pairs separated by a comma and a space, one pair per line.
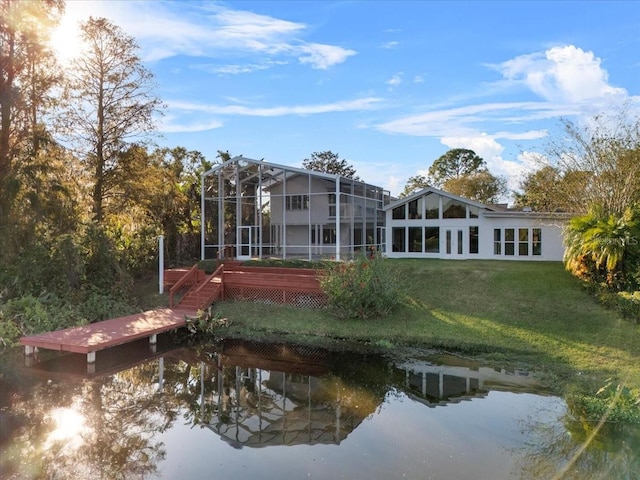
257, 209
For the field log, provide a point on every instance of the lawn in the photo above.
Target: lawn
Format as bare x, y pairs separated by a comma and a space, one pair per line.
522, 312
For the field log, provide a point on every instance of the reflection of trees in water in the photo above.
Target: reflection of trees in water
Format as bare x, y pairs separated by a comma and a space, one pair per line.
117, 418
123, 415
612, 454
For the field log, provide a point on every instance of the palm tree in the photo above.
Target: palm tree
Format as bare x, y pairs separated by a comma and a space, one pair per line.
597, 244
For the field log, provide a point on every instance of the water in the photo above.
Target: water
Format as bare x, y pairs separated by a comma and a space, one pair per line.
274, 411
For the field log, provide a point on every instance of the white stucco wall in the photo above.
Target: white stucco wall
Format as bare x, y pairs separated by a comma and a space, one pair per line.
551, 227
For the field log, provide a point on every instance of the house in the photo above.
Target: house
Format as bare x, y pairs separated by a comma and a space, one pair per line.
432, 223
257, 209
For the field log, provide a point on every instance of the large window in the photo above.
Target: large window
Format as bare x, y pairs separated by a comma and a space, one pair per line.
497, 241
523, 242
536, 239
473, 240
414, 209
432, 206
398, 213
432, 239
298, 202
509, 241
453, 209
415, 239
398, 239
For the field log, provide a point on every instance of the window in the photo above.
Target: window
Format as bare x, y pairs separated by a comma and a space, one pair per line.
415, 239
536, 238
298, 202
453, 209
414, 210
497, 242
431, 206
460, 244
448, 242
328, 235
398, 244
473, 211
523, 241
509, 241
473, 239
432, 239
398, 213
332, 205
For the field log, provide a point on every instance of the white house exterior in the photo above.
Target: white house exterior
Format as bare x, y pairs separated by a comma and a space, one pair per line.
432, 223
256, 209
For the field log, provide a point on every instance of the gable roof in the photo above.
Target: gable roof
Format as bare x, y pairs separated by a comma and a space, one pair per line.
428, 190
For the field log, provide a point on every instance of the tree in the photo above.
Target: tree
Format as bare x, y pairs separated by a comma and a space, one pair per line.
329, 162
415, 183
26, 77
456, 163
111, 104
480, 186
598, 245
599, 164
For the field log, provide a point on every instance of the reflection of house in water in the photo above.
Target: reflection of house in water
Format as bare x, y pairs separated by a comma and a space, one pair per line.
266, 408
435, 385
253, 404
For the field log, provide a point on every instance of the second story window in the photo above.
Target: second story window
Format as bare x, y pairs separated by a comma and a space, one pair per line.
298, 202
332, 205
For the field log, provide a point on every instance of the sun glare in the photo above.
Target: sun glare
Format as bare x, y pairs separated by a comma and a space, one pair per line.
65, 38
68, 428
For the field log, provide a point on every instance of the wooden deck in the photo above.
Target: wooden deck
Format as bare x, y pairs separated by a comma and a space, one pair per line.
94, 337
274, 285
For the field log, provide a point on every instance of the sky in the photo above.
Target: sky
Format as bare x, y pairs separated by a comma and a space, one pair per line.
389, 86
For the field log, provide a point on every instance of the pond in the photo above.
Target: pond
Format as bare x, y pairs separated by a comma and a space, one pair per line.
271, 411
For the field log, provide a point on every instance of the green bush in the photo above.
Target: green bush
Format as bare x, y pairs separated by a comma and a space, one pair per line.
362, 288
627, 303
31, 314
614, 402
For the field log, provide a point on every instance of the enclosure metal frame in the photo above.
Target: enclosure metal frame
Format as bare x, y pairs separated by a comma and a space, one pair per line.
237, 194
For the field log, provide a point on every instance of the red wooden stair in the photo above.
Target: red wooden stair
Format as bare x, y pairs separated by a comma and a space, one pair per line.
202, 292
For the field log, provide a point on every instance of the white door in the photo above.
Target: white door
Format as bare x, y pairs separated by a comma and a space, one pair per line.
454, 242
243, 248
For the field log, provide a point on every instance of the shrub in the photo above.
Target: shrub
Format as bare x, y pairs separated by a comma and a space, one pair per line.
614, 402
31, 314
362, 288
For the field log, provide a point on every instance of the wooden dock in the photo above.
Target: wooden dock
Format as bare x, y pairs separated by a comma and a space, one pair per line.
190, 290
94, 337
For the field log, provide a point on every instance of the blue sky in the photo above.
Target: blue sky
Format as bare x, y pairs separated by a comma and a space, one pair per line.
388, 85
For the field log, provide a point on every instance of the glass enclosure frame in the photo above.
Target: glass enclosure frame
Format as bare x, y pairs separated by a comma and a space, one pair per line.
257, 209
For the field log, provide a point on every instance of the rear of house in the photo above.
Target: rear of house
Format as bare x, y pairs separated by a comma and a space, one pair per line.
432, 223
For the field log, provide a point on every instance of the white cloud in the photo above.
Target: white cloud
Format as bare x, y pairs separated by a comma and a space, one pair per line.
210, 30
169, 125
344, 106
390, 45
395, 80
323, 56
564, 74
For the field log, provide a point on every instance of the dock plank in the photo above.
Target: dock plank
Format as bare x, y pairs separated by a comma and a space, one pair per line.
108, 333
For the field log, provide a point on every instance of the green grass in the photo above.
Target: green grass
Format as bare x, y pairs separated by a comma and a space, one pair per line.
524, 312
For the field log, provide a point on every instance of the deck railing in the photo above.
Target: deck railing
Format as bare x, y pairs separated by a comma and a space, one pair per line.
190, 278
203, 297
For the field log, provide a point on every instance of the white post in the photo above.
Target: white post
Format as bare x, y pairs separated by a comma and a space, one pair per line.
161, 264
338, 219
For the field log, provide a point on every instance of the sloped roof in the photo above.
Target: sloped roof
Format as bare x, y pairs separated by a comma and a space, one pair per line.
428, 190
